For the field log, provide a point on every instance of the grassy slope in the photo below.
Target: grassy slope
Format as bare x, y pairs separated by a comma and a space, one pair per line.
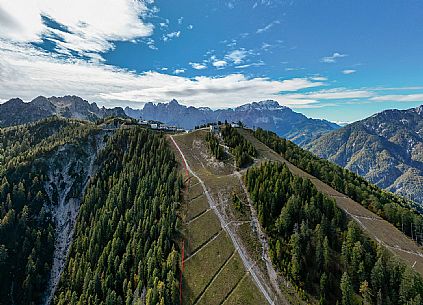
207, 279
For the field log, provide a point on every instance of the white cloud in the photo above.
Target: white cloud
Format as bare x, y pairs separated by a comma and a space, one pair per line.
397, 88
230, 44
172, 35
346, 72
197, 66
333, 58
190, 27
151, 43
230, 4
294, 69
20, 21
330, 94
266, 46
27, 72
237, 56
165, 23
267, 27
399, 98
342, 123
254, 64
179, 71
85, 25
180, 20
295, 84
227, 91
219, 63
319, 78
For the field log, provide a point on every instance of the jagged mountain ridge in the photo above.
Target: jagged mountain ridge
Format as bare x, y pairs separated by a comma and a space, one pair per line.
16, 111
386, 149
265, 114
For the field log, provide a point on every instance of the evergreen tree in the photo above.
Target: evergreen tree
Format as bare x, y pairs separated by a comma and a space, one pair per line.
398, 211
243, 151
347, 290
315, 246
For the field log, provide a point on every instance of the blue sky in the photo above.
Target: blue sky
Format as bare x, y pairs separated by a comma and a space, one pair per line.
339, 60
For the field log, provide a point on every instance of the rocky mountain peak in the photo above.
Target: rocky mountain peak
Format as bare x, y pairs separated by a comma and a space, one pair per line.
270, 104
267, 114
147, 106
174, 102
262, 106
419, 110
43, 103
14, 102
15, 111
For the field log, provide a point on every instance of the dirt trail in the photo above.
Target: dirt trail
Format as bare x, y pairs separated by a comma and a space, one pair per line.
248, 263
376, 227
273, 275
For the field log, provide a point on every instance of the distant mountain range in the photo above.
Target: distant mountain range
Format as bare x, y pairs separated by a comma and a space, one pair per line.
265, 114
386, 149
16, 112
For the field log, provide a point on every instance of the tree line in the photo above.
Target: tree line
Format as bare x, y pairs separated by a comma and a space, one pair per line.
327, 257
214, 146
242, 150
396, 210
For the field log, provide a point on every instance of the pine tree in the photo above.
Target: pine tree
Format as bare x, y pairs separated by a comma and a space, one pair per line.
346, 290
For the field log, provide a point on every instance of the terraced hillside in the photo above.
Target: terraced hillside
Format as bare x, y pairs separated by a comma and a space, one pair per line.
223, 257
228, 255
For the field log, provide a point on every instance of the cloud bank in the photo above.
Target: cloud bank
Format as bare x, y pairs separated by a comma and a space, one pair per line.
81, 31
30, 72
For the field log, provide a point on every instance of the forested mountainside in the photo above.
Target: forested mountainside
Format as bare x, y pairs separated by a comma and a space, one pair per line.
16, 112
386, 149
265, 114
123, 251
324, 247
322, 253
88, 215
400, 212
29, 198
128, 187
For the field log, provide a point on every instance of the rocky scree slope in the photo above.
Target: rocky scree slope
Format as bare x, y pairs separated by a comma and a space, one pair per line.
69, 170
